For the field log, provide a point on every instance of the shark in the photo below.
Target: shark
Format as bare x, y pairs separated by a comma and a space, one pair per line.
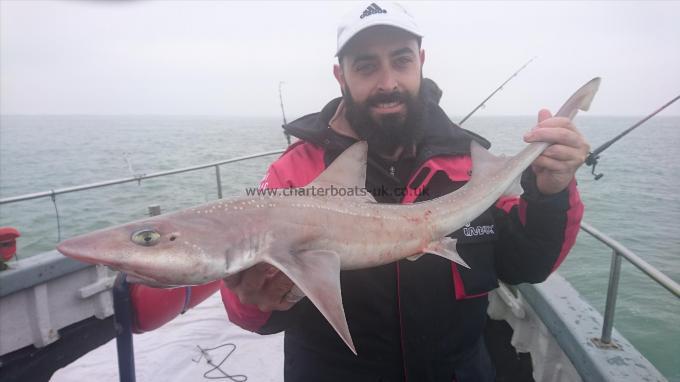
309, 235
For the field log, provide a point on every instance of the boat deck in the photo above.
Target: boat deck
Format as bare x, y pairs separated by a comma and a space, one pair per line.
173, 352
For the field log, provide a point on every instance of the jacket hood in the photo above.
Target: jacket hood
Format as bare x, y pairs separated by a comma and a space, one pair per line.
440, 137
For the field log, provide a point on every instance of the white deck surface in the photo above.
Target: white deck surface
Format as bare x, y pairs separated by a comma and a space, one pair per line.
171, 352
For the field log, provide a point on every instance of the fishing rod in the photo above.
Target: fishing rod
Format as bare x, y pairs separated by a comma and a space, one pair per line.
496, 91
438, 95
591, 159
283, 113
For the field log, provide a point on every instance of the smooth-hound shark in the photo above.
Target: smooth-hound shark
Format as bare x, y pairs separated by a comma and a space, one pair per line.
309, 238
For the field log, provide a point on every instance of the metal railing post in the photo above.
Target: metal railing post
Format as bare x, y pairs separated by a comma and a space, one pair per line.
612, 292
154, 210
649, 270
219, 182
122, 317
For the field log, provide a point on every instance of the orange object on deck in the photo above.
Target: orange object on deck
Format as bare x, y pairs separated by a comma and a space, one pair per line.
8, 242
154, 307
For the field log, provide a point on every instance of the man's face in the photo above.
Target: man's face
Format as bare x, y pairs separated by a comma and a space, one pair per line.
380, 76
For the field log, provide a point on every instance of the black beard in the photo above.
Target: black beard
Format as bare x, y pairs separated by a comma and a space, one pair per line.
391, 131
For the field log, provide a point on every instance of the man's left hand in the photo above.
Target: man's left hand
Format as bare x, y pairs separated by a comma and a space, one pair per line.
556, 167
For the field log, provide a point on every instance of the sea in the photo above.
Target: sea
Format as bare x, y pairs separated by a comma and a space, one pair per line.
636, 202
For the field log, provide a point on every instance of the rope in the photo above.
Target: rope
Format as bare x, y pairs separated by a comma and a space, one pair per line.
56, 210
210, 374
187, 299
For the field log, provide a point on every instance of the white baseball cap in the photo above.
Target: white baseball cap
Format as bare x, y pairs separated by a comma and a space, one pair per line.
369, 14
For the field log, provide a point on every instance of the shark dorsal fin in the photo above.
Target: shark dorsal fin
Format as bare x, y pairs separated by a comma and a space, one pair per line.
347, 171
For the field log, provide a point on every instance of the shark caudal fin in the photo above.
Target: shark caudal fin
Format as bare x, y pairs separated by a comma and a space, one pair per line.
347, 171
580, 100
317, 274
486, 165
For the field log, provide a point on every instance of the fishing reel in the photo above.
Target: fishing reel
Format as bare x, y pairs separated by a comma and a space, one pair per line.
591, 160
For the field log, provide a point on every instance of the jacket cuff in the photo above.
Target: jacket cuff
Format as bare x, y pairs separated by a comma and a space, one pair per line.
248, 317
558, 201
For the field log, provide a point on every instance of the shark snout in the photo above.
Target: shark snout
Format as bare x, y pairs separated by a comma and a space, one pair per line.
81, 250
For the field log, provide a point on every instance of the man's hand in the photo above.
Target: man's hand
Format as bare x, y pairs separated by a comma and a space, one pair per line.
265, 286
556, 167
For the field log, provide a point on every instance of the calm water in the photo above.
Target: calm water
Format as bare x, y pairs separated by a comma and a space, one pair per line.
636, 202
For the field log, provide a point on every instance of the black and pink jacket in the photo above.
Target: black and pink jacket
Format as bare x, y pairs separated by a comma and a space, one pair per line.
415, 320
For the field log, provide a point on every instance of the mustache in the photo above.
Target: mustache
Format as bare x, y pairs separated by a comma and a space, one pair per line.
395, 96
386, 133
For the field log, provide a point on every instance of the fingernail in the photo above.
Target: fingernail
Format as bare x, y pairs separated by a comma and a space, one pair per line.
527, 135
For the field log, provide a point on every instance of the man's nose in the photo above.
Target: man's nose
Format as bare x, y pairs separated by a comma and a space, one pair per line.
387, 81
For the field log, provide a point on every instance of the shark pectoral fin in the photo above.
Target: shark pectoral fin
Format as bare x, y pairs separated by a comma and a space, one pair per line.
317, 274
446, 248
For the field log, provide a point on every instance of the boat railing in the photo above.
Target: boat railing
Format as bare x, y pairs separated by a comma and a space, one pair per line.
620, 251
138, 178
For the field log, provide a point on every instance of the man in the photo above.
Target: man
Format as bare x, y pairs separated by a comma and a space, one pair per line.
417, 320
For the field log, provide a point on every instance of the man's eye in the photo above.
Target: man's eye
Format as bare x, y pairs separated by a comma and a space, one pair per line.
403, 61
365, 68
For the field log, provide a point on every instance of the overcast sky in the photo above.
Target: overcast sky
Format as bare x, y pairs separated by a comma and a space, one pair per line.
227, 58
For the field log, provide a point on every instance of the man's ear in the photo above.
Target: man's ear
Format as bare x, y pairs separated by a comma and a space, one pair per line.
422, 57
339, 75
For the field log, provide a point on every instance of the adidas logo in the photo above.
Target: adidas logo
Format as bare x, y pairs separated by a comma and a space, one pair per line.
371, 10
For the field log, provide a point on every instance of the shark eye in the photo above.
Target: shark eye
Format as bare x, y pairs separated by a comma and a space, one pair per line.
146, 237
